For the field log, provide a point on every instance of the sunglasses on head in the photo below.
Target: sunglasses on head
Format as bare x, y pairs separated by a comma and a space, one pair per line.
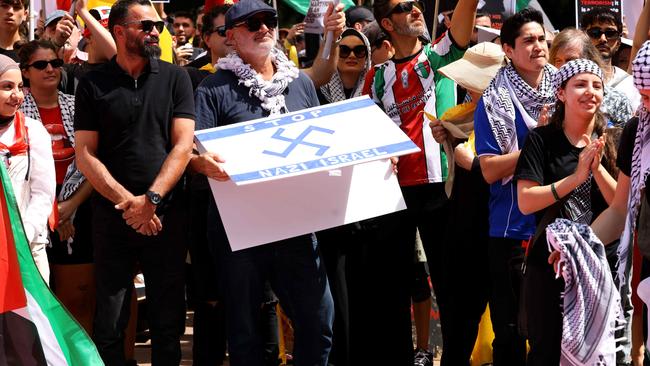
405, 7
596, 33
359, 51
220, 30
147, 25
254, 24
42, 64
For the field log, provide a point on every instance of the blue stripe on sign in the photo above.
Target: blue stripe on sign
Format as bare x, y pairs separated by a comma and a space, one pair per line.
331, 161
284, 119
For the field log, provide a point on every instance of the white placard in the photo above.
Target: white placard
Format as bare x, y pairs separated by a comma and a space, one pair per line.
306, 171
262, 213
315, 139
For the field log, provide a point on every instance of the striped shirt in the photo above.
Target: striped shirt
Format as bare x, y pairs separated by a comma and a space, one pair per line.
403, 89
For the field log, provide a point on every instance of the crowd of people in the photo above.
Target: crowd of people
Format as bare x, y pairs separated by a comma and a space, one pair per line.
549, 150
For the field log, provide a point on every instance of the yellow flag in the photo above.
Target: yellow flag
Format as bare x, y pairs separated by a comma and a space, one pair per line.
165, 37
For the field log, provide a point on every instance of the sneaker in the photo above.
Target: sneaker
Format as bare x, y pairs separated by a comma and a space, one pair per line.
423, 358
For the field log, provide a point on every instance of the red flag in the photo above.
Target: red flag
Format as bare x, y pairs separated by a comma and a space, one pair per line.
12, 292
63, 4
210, 3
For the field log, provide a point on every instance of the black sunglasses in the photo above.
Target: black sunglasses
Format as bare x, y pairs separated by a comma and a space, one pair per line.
610, 34
254, 24
359, 51
405, 7
42, 64
220, 30
147, 25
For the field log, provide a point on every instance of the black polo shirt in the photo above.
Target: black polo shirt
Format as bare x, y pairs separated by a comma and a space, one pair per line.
133, 118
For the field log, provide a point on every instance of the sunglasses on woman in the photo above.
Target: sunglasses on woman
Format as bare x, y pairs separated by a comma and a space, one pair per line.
220, 30
254, 24
405, 7
359, 51
147, 25
42, 64
596, 33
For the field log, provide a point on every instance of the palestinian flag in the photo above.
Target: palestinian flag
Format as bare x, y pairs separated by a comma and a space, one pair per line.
35, 329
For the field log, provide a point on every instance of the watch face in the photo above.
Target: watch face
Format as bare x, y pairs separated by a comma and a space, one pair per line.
154, 197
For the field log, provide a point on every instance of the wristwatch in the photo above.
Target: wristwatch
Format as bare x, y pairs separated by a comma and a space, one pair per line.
154, 197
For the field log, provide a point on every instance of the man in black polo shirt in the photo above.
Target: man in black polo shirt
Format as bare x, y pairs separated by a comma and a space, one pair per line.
134, 124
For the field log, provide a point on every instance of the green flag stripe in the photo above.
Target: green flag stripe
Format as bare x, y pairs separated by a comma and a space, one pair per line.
76, 345
302, 6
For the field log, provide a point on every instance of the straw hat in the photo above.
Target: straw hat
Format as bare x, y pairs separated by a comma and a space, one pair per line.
477, 68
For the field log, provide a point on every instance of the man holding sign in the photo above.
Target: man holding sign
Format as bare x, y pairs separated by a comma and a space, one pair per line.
255, 81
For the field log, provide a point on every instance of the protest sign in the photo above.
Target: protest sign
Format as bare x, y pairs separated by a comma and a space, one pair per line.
307, 141
306, 171
314, 18
584, 6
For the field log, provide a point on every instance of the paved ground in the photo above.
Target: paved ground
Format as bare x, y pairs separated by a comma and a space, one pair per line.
143, 350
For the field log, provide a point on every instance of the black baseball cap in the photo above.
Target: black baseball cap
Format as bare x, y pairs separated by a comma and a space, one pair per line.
245, 9
358, 14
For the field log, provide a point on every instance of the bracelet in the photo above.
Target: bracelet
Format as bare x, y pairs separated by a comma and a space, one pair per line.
557, 197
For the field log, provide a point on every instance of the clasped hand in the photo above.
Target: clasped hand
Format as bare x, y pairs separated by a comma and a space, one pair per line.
140, 214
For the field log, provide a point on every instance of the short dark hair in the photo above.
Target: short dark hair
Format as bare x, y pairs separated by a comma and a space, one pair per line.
600, 15
210, 16
28, 49
380, 9
120, 11
512, 25
185, 14
23, 3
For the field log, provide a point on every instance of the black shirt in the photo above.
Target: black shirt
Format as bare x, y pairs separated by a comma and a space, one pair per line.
626, 147
548, 156
133, 117
10, 53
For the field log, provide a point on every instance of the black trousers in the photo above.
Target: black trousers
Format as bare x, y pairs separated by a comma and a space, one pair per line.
209, 338
118, 248
465, 272
544, 314
505, 257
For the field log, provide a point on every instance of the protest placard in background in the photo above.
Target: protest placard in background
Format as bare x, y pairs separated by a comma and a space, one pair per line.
584, 6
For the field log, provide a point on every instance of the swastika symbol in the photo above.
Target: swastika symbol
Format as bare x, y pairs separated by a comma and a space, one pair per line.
300, 140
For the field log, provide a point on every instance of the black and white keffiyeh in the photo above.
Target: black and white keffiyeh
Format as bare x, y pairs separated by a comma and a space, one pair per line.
334, 91
592, 308
640, 163
616, 106
641, 67
269, 92
574, 67
508, 91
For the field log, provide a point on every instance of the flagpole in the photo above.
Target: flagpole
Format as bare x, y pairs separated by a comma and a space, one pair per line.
434, 30
30, 22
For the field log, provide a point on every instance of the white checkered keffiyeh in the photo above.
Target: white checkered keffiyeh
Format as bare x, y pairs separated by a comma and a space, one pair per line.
592, 304
575, 67
640, 163
641, 67
508, 91
268, 92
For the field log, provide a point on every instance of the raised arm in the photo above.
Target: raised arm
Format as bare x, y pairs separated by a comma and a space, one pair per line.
322, 70
462, 23
640, 33
101, 36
